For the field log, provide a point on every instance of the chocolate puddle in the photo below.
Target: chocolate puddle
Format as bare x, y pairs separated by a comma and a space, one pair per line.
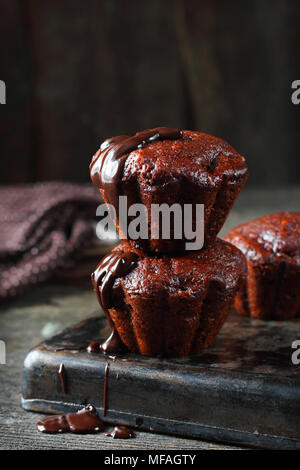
83, 422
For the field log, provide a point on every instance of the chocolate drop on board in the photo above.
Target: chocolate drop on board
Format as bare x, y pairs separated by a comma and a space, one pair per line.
83, 422
121, 432
94, 347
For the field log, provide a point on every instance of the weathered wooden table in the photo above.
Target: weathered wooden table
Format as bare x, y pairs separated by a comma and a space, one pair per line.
48, 308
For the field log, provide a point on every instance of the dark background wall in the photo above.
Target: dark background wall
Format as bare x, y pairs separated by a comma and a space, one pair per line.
79, 71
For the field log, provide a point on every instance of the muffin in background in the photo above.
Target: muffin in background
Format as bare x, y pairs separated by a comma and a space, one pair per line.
175, 306
271, 245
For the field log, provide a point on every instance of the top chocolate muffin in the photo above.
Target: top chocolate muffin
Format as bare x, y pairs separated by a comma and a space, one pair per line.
170, 166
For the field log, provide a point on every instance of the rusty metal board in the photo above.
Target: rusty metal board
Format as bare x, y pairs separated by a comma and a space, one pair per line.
244, 390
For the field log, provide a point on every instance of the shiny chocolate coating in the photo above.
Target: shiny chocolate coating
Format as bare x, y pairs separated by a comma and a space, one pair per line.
107, 164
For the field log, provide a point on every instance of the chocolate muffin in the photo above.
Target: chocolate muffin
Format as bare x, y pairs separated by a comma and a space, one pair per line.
271, 245
169, 306
170, 166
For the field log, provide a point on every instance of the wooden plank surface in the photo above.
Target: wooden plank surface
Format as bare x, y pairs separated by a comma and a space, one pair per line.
25, 322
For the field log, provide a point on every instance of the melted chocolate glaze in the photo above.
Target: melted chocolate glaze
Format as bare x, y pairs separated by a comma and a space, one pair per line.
83, 422
108, 163
62, 375
110, 268
121, 432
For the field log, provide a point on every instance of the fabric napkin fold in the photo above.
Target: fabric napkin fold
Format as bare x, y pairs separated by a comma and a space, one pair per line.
42, 229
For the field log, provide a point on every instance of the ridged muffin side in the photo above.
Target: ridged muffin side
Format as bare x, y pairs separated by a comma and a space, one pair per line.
176, 306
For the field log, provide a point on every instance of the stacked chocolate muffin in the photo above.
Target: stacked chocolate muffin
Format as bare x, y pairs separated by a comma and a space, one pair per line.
159, 299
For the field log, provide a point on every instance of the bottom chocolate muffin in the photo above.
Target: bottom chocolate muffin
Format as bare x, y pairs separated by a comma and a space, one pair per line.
170, 306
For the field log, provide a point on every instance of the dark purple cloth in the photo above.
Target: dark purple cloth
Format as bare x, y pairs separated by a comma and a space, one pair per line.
43, 226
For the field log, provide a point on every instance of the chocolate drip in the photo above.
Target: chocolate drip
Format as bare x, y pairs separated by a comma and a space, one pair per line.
112, 344
113, 266
107, 164
105, 389
62, 376
121, 432
83, 422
